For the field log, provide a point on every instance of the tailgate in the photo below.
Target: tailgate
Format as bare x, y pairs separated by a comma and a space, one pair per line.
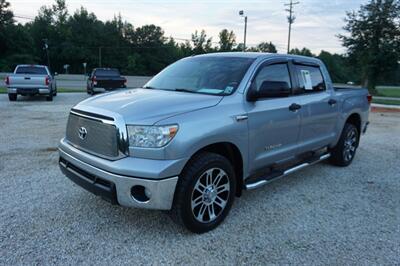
110, 83
27, 81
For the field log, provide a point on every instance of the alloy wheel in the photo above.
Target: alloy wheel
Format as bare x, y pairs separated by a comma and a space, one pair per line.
350, 145
210, 195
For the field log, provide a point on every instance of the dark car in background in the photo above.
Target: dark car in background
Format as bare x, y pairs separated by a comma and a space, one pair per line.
104, 79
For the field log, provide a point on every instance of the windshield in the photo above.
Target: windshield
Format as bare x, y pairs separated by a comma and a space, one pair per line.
208, 75
31, 70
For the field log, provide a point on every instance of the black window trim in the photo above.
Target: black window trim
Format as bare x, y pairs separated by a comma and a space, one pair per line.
276, 61
297, 89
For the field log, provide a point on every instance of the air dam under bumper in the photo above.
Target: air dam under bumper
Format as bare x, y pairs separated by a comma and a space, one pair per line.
124, 190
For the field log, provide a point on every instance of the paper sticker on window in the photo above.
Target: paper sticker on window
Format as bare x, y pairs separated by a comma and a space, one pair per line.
229, 89
306, 79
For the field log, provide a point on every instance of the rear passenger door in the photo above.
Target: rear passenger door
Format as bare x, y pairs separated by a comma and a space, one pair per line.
319, 111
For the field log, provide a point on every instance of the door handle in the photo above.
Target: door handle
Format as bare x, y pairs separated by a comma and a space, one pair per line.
332, 102
294, 107
241, 117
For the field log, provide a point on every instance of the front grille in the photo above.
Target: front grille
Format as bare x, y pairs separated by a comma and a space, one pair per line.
100, 138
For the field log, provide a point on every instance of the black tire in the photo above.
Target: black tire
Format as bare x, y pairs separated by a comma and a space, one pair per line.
49, 98
345, 150
211, 200
55, 92
12, 97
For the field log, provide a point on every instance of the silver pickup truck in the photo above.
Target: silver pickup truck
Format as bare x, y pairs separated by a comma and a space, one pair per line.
31, 80
208, 127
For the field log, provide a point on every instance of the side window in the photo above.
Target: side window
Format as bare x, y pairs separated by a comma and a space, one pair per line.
273, 73
310, 79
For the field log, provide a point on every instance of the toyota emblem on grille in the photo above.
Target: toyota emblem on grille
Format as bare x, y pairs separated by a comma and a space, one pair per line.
82, 133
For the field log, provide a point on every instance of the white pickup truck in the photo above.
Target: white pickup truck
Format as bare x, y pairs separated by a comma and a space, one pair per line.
31, 80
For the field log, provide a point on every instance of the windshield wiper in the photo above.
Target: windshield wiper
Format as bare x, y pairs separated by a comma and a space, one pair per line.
150, 88
185, 90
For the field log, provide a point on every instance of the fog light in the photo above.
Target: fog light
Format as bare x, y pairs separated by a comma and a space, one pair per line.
140, 193
147, 192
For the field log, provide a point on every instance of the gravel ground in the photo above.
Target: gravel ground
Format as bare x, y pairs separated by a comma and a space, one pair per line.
320, 215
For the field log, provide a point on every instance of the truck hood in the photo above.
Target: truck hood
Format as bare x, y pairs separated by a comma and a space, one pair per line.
147, 106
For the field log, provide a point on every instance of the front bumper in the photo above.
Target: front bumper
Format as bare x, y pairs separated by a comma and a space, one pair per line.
118, 188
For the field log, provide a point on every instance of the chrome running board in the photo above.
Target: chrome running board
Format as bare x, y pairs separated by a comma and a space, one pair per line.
265, 180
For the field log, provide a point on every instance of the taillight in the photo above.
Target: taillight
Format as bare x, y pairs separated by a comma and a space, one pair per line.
7, 80
369, 98
94, 81
47, 80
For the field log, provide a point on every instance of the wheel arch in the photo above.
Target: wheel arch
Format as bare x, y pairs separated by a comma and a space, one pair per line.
230, 151
354, 119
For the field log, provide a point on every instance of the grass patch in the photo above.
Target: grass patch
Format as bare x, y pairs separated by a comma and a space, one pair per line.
62, 90
59, 90
389, 102
388, 92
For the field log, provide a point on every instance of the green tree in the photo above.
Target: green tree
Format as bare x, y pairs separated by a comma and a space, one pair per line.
373, 42
227, 40
6, 15
15, 40
338, 67
305, 52
265, 47
201, 44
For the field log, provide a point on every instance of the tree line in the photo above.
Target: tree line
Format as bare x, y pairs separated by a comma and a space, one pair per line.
372, 42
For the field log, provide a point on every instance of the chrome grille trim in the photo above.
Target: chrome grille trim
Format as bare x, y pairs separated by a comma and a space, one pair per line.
118, 122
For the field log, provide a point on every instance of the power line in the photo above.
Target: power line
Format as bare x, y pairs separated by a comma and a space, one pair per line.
24, 17
291, 18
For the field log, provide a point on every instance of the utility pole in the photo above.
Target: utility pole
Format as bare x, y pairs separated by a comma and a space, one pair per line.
241, 13
46, 47
100, 56
291, 19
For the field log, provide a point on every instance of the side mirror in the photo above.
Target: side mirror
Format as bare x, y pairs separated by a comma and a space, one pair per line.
270, 89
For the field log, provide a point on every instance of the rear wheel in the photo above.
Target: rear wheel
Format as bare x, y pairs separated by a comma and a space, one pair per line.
205, 193
49, 98
12, 97
343, 153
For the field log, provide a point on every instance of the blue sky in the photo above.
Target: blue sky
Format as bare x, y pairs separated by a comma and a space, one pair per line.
316, 26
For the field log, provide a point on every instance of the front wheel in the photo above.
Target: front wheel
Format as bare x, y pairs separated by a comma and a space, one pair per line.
205, 193
345, 150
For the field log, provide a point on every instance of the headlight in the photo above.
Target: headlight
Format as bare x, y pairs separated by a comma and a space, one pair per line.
151, 136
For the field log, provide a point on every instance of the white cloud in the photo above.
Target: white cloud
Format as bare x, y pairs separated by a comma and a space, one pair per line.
316, 26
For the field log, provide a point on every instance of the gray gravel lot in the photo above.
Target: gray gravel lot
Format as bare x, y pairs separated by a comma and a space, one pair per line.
320, 215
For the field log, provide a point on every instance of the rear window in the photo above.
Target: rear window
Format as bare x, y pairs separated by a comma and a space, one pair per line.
310, 79
107, 72
31, 70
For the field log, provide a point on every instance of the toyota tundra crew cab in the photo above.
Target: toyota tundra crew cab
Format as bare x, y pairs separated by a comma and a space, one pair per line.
31, 80
208, 127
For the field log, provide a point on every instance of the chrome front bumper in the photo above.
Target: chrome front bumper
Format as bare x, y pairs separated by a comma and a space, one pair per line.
119, 187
